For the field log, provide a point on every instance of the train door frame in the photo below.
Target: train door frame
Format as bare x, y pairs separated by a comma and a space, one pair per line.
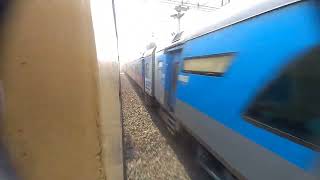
148, 64
142, 74
173, 67
159, 81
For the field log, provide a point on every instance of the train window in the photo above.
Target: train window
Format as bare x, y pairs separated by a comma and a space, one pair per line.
209, 65
290, 105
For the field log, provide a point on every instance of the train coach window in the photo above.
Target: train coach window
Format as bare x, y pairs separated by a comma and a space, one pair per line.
290, 105
208, 65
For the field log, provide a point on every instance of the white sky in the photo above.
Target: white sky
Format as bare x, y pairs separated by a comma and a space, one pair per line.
143, 21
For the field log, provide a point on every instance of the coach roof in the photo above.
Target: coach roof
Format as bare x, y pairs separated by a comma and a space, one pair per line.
230, 15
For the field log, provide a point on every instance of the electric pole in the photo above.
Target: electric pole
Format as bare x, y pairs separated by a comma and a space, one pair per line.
183, 6
179, 15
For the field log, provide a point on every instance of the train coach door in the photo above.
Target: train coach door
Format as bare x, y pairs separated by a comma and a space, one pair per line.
149, 72
174, 66
159, 81
148, 76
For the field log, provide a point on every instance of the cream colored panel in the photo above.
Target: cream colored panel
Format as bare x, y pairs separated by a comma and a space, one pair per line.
110, 122
49, 73
214, 64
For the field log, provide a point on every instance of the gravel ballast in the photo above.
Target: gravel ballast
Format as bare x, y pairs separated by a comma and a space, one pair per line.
150, 151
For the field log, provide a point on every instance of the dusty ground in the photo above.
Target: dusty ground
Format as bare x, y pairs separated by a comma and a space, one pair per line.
151, 152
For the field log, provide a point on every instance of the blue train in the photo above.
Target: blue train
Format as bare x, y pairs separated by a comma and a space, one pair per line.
247, 89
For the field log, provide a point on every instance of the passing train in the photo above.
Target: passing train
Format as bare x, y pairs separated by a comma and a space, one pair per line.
247, 88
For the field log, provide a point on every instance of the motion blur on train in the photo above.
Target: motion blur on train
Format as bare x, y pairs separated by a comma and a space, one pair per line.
246, 89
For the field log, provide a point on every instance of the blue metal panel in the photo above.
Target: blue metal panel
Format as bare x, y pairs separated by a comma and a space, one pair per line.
264, 45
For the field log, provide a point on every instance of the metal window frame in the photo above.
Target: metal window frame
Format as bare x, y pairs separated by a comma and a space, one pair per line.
279, 132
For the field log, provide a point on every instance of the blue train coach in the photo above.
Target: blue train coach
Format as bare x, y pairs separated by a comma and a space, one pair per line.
247, 88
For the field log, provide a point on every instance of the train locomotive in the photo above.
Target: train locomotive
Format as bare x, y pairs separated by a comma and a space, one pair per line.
246, 88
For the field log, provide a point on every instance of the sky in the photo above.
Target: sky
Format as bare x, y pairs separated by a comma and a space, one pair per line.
143, 21
104, 30
140, 22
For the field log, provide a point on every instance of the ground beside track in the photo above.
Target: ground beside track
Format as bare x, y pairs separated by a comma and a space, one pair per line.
150, 151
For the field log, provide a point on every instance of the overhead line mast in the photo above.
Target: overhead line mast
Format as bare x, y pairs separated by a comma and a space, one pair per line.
181, 6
